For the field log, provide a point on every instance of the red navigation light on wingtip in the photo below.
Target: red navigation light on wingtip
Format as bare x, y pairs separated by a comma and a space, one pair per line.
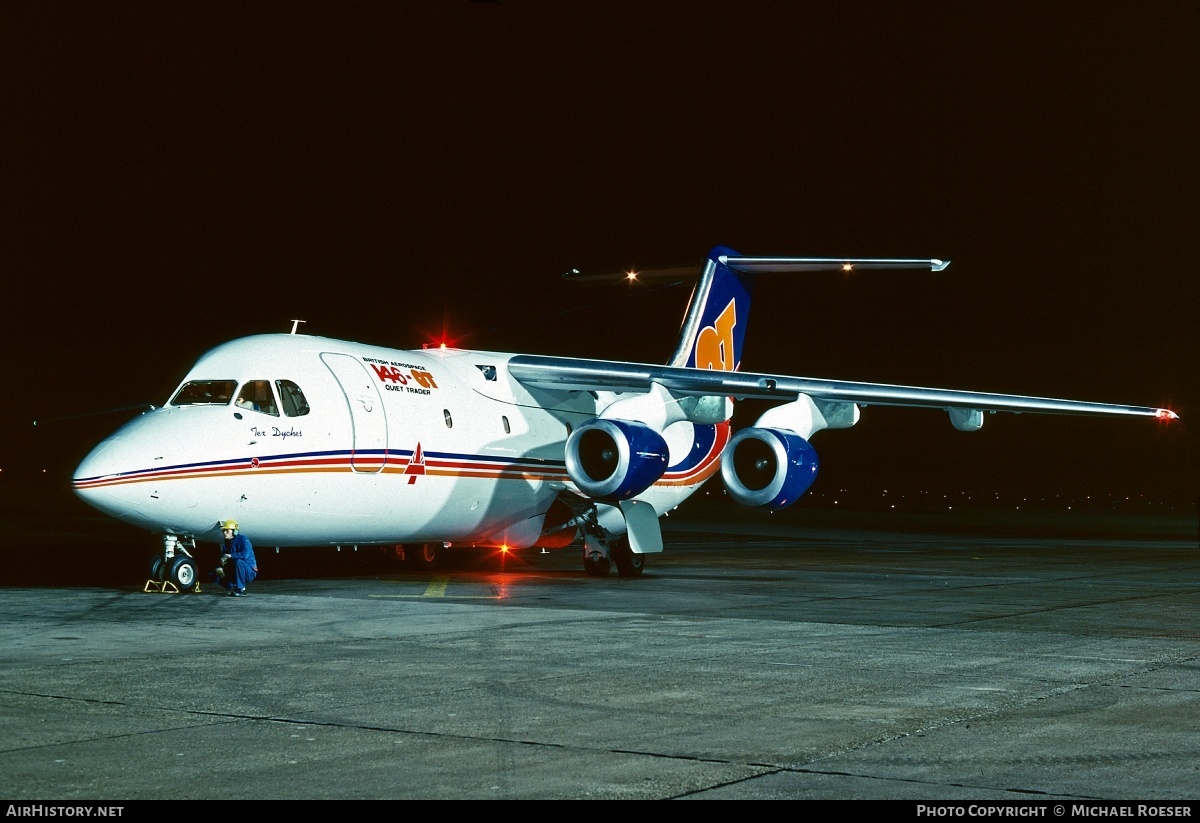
1166, 414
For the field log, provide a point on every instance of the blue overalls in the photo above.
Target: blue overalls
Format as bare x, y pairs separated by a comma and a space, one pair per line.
242, 567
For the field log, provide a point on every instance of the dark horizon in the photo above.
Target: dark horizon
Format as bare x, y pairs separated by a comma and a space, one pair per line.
176, 176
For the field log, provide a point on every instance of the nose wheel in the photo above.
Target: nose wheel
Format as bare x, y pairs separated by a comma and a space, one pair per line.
174, 569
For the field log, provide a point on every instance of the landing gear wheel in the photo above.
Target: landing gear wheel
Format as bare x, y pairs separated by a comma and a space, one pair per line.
426, 556
157, 569
596, 566
183, 573
628, 564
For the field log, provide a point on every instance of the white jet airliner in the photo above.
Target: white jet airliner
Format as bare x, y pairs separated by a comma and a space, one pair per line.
308, 441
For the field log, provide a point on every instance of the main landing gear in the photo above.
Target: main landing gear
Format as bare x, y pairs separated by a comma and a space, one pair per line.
425, 556
628, 563
600, 555
174, 569
603, 549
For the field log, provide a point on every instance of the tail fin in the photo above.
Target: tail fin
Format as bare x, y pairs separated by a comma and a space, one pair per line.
714, 327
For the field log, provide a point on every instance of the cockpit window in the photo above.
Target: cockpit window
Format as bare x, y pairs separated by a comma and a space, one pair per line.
256, 396
202, 392
292, 399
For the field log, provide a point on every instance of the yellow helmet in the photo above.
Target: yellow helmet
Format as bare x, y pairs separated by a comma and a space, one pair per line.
229, 524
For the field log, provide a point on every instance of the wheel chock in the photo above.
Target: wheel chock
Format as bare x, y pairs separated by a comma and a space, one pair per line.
166, 587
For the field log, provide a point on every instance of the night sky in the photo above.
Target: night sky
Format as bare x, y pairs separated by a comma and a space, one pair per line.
174, 175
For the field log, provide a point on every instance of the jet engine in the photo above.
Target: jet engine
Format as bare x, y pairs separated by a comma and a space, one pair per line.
614, 460
768, 468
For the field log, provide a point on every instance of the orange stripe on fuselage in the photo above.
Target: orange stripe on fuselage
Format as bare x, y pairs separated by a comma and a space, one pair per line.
708, 465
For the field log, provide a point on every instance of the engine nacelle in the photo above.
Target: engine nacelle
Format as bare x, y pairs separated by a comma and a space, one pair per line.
768, 468
614, 460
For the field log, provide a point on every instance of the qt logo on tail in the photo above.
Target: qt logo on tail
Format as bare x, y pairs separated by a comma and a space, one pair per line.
714, 344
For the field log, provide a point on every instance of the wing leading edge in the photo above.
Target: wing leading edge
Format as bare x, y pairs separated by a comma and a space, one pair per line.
574, 374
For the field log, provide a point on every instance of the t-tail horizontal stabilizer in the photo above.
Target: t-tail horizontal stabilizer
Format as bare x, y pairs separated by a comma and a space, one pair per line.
756, 265
764, 265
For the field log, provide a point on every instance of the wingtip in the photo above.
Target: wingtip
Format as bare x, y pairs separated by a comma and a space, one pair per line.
938, 265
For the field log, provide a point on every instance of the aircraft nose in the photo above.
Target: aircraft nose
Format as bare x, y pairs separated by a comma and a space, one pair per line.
130, 474
132, 451
92, 467
96, 475
108, 478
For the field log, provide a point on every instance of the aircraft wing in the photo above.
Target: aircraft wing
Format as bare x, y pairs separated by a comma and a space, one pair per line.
566, 373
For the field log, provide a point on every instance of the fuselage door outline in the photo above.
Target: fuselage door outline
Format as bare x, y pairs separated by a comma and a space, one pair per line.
368, 420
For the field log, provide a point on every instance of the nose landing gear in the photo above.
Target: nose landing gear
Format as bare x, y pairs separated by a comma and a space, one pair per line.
174, 570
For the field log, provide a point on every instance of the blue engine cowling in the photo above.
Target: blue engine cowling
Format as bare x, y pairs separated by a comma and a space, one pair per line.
614, 460
768, 468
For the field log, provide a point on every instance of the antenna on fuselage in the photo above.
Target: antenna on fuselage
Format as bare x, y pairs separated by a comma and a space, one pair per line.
295, 325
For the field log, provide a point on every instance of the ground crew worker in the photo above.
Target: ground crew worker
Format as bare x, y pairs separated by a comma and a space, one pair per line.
238, 565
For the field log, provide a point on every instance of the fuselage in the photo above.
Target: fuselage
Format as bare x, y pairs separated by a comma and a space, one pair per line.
310, 441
